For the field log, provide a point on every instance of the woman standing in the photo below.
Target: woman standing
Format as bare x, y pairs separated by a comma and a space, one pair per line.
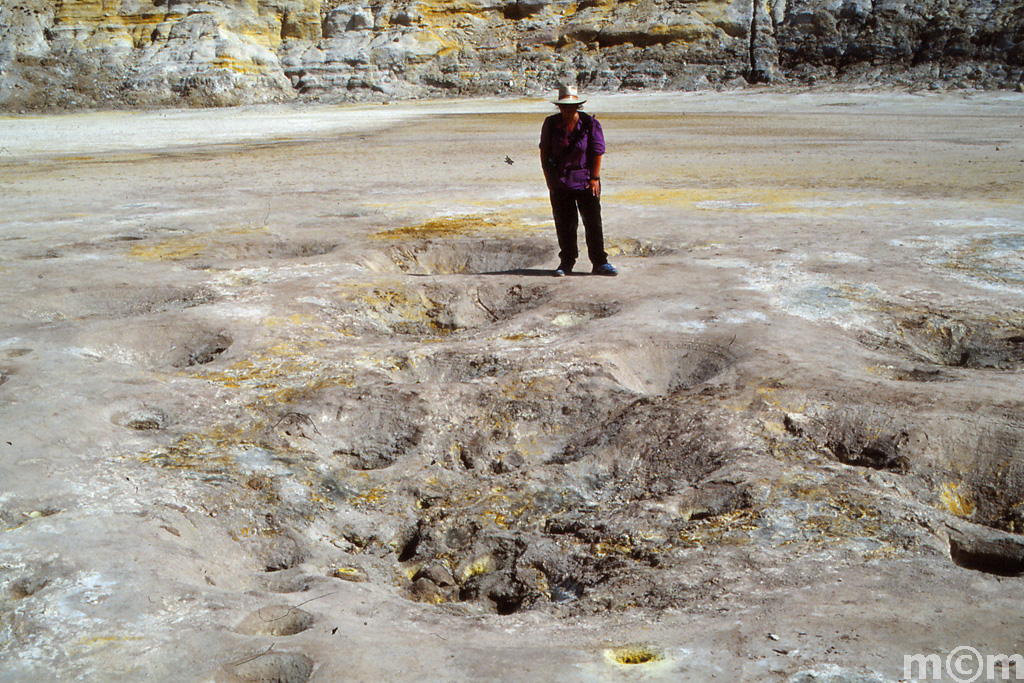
571, 148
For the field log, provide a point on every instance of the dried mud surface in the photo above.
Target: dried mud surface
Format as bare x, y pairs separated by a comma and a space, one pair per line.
297, 399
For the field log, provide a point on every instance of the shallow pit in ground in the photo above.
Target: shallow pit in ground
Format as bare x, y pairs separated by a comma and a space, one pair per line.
971, 468
656, 365
491, 255
140, 419
507, 253
860, 436
157, 341
238, 244
503, 541
275, 620
429, 308
953, 341
117, 301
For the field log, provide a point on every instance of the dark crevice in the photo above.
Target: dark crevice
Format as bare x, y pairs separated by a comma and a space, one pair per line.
999, 556
508, 605
411, 546
753, 40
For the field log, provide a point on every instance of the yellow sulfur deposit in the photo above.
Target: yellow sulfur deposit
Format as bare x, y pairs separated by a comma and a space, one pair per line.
956, 500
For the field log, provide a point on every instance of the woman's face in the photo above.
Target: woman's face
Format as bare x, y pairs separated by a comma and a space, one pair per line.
568, 111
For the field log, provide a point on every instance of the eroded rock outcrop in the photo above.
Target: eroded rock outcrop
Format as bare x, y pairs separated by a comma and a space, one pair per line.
958, 41
55, 53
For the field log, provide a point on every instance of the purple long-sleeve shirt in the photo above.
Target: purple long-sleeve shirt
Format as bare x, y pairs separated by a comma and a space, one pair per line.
566, 155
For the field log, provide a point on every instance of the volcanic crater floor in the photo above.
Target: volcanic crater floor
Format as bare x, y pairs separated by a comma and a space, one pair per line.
312, 408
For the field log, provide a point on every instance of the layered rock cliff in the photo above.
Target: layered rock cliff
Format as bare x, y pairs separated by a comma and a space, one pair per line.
68, 53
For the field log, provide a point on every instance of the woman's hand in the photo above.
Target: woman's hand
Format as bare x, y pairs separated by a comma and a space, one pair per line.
595, 175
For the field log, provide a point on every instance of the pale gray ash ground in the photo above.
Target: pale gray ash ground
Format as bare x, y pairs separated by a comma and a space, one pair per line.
288, 393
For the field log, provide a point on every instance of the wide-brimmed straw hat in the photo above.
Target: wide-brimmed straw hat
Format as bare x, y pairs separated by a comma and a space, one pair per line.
567, 94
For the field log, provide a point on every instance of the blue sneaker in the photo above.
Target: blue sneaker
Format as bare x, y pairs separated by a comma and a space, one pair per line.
562, 270
605, 269
558, 272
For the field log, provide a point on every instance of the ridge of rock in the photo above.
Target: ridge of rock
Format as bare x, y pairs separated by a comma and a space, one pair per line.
87, 53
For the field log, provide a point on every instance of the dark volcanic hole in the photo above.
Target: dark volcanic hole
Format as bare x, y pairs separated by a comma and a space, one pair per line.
880, 455
278, 553
856, 436
522, 9
144, 424
140, 420
27, 586
205, 349
409, 548
853, 445
278, 565
276, 620
508, 605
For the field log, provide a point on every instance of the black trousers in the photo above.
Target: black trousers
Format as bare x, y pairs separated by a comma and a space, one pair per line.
566, 207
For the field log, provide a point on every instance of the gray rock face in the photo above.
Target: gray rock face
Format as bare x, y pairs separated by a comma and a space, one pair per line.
942, 37
67, 55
